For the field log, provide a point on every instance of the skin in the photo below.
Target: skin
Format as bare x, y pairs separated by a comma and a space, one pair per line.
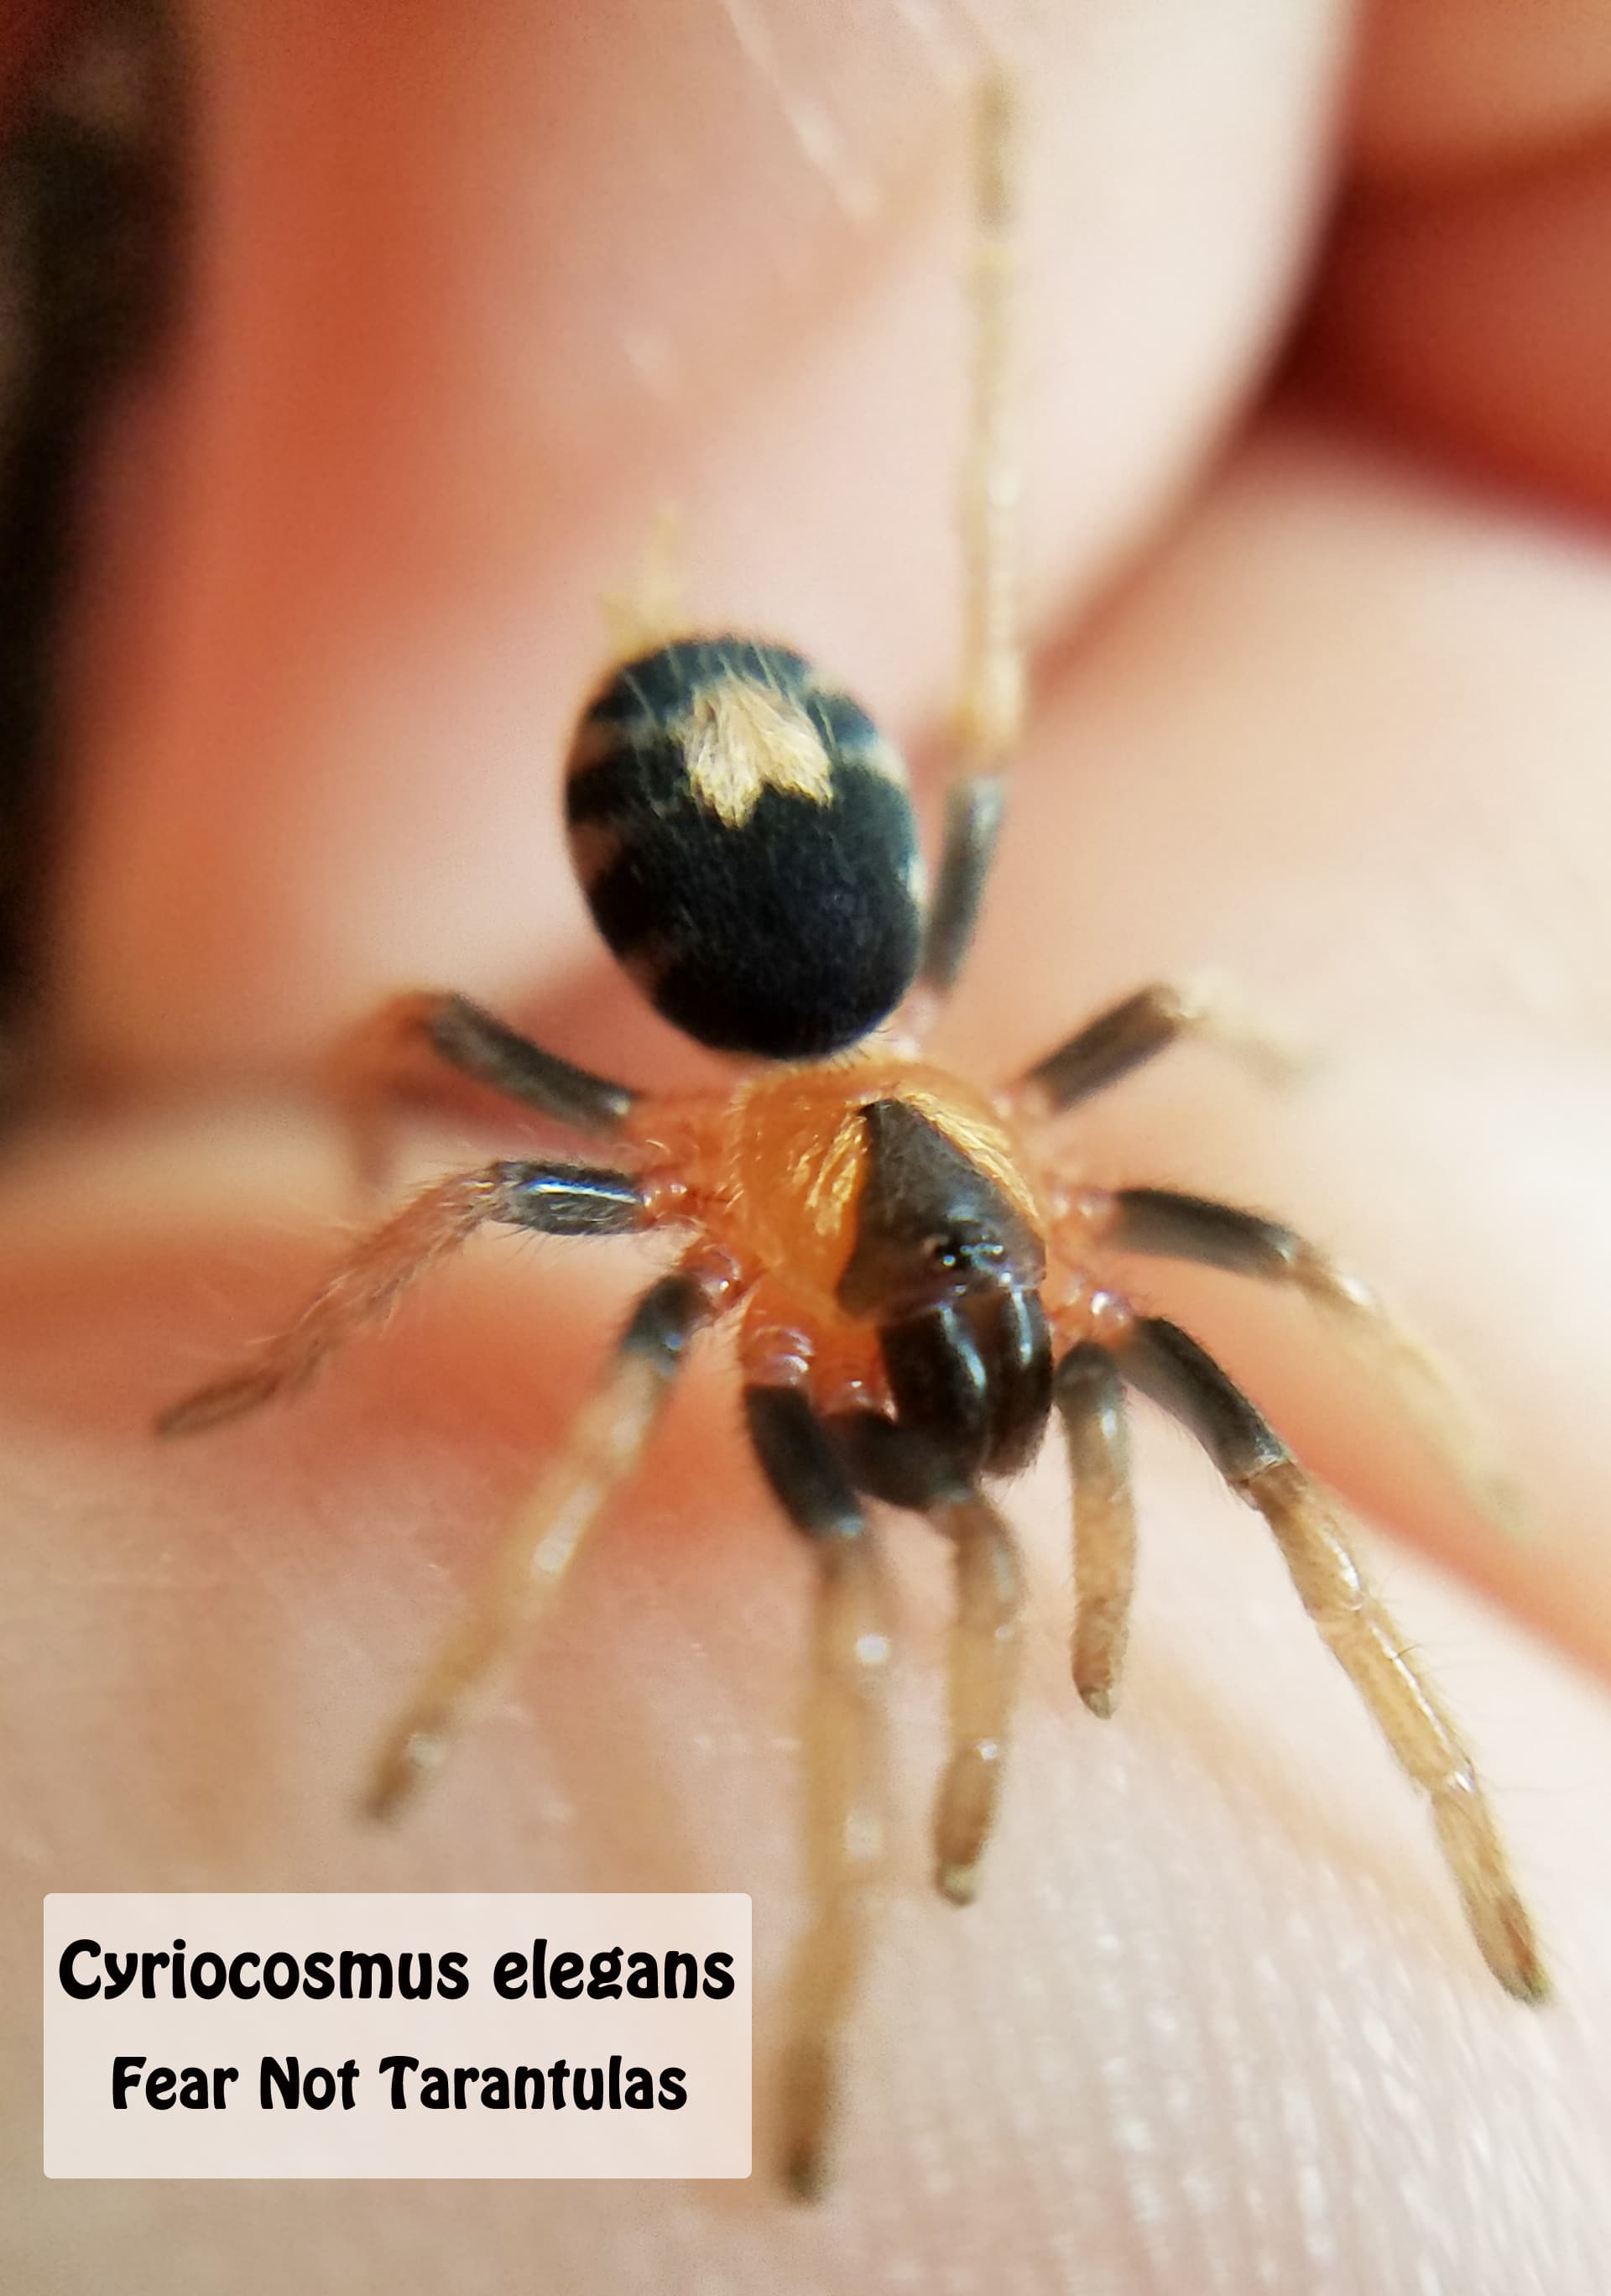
1321, 699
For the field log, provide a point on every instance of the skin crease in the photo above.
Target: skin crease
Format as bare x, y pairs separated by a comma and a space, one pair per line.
1340, 729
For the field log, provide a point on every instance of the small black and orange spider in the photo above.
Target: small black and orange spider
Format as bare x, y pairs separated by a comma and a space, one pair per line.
915, 1275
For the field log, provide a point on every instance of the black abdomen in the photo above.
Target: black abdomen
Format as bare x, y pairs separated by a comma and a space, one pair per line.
746, 842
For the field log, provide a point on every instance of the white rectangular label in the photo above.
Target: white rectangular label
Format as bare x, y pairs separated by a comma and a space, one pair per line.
397, 2035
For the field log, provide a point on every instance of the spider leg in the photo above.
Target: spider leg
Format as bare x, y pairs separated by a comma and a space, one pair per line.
983, 1670
652, 610
990, 702
605, 1444
1168, 1365
844, 1741
415, 1046
553, 1199
975, 809
906, 1468
1089, 1394
1172, 1226
1129, 1034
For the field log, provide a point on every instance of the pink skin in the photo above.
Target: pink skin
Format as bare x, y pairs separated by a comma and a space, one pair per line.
1214, 2022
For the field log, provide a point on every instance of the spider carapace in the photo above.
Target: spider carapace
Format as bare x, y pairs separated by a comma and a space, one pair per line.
918, 1284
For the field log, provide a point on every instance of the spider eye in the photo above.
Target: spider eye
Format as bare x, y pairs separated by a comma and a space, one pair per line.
929, 1225
966, 1251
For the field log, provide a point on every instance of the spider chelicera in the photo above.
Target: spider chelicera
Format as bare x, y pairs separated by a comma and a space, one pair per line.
915, 1277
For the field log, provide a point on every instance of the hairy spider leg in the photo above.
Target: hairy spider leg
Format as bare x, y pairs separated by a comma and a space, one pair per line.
424, 1045
1127, 1036
650, 611
605, 1445
1089, 1394
847, 1792
983, 1670
1162, 1223
1165, 1363
903, 1468
565, 1200
989, 713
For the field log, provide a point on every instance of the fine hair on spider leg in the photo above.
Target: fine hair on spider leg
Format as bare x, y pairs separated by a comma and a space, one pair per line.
423, 1047
989, 710
895, 1464
1169, 1225
845, 1784
605, 1445
1170, 1367
366, 1285
983, 1673
1129, 1035
1090, 1396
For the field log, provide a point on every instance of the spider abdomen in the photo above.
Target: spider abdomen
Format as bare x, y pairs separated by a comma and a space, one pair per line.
745, 837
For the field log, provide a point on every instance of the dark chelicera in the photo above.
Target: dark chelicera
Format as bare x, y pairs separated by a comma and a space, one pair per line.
786, 936
951, 1269
929, 1224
